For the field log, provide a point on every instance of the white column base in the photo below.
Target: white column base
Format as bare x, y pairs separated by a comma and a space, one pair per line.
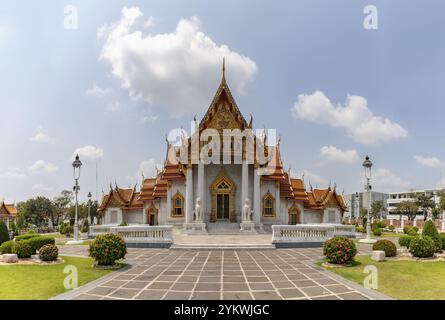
194, 228
75, 242
369, 241
248, 227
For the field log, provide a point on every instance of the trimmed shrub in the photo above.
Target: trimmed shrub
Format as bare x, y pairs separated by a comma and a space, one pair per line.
107, 248
48, 252
429, 229
27, 236
381, 224
411, 231
422, 247
24, 249
404, 241
416, 229
68, 230
13, 228
4, 234
339, 250
85, 226
38, 242
360, 229
7, 247
387, 246
391, 227
377, 232
442, 238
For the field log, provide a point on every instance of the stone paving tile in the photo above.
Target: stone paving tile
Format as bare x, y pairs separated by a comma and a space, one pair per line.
229, 274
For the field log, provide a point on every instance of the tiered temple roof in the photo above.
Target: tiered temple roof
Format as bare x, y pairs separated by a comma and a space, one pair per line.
7, 210
125, 198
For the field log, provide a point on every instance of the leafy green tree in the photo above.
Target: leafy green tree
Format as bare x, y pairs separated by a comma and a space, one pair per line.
61, 205
36, 211
425, 203
377, 208
408, 208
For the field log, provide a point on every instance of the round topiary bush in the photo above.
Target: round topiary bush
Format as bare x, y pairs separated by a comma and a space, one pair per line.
430, 230
422, 247
339, 250
4, 234
381, 224
27, 236
391, 227
404, 241
387, 246
360, 229
48, 252
38, 242
7, 247
24, 249
442, 238
106, 249
377, 232
68, 230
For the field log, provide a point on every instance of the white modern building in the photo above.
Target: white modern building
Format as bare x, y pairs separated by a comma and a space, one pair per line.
397, 197
355, 201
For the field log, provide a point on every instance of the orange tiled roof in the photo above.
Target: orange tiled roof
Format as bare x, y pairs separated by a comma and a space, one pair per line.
160, 189
147, 189
286, 187
319, 198
274, 169
299, 190
8, 210
172, 169
128, 199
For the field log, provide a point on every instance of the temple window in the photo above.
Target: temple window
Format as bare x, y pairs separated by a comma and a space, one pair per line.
178, 205
268, 205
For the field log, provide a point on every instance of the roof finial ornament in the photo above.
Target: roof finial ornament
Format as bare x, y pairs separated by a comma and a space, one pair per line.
329, 188
224, 68
111, 186
310, 185
115, 183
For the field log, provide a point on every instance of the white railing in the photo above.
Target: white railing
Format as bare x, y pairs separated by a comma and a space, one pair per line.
145, 234
137, 234
100, 229
301, 233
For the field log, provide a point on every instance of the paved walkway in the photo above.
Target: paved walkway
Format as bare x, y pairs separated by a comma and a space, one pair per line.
219, 274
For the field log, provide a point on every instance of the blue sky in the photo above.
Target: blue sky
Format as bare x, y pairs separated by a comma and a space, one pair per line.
64, 89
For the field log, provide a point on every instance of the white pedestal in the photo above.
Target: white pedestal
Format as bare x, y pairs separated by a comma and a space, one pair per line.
194, 228
247, 227
369, 241
74, 242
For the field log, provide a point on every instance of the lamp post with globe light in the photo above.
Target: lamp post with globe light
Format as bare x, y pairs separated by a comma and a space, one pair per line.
367, 165
76, 175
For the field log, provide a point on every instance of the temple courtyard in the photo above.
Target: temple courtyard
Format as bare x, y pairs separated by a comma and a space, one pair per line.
198, 274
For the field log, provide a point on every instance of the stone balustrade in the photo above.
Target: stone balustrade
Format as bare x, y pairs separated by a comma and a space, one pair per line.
308, 235
139, 235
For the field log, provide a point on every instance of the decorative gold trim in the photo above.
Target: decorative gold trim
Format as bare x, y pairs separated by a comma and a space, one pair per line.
173, 205
231, 191
294, 210
152, 210
268, 196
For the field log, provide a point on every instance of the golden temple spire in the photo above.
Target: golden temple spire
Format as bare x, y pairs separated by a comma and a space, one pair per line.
224, 69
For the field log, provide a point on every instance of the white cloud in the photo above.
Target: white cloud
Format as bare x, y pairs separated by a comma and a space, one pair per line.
313, 178
13, 174
42, 166
40, 189
355, 117
149, 22
149, 119
178, 71
332, 154
41, 136
115, 106
384, 180
148, 168
97, 91
89, 153
432, 162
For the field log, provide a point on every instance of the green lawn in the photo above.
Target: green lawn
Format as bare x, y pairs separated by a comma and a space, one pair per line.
43, 281
401, 279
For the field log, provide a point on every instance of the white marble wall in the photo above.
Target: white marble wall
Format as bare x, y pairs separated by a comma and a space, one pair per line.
133, 217
113, 216
312, 216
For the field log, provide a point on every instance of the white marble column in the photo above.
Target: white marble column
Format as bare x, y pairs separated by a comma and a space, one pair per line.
201, 185
169, 204
256, 198
278, 204
189, 195
244, 184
